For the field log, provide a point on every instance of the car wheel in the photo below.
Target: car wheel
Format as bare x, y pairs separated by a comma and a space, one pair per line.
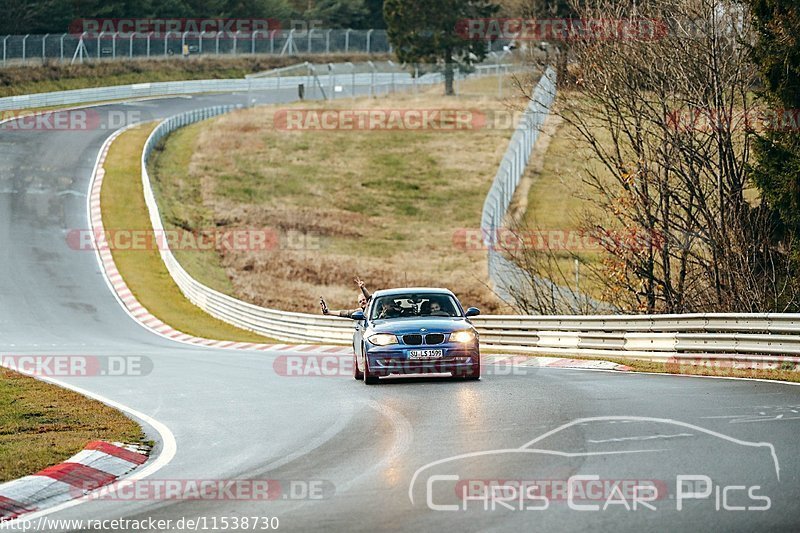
357, 374
369, 379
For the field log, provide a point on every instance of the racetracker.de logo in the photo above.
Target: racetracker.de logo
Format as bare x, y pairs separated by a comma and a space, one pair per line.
234, 240
210, 490
210, 27
444, 120
561, 29
68, 120
79, 365
339, 366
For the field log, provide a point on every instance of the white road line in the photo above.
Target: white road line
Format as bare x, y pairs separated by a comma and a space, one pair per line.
644, 437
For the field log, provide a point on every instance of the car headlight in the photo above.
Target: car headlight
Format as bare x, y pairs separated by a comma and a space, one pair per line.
463, 336
383, 339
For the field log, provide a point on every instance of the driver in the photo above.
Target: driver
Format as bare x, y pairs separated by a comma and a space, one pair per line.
389, 309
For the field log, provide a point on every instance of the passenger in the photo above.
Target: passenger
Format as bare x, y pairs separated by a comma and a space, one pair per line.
436, 309
425, 308
363, 299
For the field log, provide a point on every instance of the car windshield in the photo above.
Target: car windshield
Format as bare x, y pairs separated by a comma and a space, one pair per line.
414, 305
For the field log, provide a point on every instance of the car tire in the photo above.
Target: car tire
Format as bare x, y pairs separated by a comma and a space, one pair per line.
357, 374
369, 379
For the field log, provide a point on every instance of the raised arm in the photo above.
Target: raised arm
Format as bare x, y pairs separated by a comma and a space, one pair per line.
363, 287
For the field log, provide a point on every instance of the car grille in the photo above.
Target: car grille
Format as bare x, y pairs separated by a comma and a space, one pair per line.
434, 338
415, 339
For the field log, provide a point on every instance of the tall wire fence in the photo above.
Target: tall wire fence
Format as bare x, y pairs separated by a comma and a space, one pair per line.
69, 47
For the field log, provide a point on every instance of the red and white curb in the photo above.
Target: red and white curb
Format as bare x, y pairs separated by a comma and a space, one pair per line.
98, 464
139, 312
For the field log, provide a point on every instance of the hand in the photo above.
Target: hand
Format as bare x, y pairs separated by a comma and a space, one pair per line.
324, 306
359, 281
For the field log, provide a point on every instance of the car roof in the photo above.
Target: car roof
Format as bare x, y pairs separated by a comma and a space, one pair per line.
415, 290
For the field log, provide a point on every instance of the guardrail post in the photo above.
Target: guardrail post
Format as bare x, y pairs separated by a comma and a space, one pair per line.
372, 79
332, 81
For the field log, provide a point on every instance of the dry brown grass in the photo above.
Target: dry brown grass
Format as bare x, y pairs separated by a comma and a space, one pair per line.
383, 205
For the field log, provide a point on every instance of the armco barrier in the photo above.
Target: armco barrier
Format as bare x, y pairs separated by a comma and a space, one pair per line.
742, 338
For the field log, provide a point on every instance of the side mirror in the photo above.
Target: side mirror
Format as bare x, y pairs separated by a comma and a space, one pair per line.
358, 315
472, 311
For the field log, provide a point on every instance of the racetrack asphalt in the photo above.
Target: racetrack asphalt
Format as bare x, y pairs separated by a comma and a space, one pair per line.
234, 417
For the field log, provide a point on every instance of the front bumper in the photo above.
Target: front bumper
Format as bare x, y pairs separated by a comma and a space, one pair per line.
457, 360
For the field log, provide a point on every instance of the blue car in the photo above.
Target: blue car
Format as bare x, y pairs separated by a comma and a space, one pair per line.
415, 331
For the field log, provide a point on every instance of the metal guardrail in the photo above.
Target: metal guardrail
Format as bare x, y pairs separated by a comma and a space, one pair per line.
739, 338
172, 88
382, 78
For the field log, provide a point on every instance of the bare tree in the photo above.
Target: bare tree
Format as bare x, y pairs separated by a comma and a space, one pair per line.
665, 105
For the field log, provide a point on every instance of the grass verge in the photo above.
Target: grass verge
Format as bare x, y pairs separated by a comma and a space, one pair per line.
43, 424
122, 201
386, 205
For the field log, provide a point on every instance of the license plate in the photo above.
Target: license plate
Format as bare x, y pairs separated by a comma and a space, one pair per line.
425, 354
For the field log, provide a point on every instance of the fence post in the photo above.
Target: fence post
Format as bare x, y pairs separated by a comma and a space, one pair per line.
328, 41
272, 41
347, 40
44, 46
99, 36
308, 45
23, 46
114, 45
61, 55
130, 44
369, 40
4, 48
